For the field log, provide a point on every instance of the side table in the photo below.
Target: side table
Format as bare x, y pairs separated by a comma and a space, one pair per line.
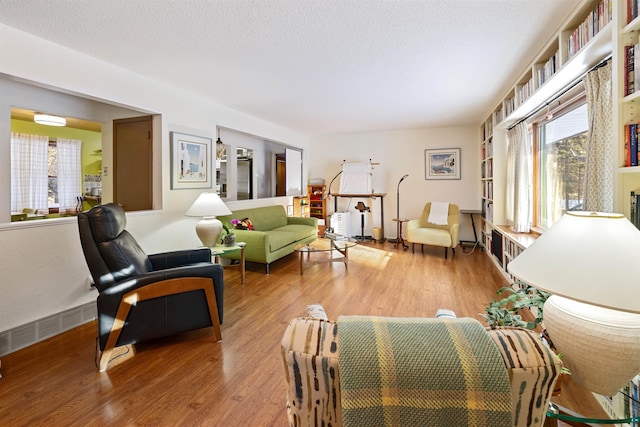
401, 240
223, 249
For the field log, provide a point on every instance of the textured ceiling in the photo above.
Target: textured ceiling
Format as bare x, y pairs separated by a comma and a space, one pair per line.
318, 67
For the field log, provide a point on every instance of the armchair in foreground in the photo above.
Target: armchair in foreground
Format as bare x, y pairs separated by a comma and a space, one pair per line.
146, 296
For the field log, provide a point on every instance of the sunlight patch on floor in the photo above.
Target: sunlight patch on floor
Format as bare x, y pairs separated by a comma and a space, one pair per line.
370, 256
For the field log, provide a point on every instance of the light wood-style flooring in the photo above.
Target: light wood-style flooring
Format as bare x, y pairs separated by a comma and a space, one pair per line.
190, 380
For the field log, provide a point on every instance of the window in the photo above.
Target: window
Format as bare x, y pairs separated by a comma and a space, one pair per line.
45, 175
560, 163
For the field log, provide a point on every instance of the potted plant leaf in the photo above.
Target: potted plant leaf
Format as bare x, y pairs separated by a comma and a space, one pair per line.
229, 239
506, 309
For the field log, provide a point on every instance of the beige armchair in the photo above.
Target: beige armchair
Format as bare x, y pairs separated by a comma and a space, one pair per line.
311, 351
425, 233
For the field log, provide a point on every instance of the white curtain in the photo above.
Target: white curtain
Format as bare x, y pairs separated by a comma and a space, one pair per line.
69, 153
599, 162
519, 195
29, 172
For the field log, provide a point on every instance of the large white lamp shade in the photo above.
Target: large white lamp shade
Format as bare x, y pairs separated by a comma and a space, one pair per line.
589, 262
209, 228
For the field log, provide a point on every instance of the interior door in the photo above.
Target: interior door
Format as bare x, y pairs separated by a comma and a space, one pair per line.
133, 163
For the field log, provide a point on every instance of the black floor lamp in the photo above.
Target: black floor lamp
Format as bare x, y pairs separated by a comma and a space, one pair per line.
398, 209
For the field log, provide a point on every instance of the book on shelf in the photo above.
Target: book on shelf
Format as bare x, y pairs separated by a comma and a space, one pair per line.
629, 70
635, 208
631, 144
593, 23
632, 10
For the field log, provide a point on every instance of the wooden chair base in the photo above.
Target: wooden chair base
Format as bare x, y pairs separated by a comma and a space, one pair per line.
156, 290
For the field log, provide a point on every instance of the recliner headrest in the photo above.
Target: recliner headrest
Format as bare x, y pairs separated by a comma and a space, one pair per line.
107, 222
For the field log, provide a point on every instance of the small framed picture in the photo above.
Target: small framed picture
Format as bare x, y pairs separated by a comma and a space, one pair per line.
190, 161
443, 163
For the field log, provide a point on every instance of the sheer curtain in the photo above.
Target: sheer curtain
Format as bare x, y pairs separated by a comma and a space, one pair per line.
519, 178
29, 172
599, 161
69, 153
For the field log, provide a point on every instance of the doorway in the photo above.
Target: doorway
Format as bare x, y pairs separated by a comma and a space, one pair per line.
133, 163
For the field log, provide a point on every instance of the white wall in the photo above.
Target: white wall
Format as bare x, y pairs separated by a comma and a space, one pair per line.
42, 269
401, 152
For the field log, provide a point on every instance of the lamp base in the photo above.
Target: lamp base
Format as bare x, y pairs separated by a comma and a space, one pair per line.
600, 346
208, 230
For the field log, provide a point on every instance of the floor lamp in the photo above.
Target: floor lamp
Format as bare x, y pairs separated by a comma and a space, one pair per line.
588, 261
398, 210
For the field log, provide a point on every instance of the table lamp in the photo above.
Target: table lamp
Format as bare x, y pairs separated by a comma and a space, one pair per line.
589, 262
208, 206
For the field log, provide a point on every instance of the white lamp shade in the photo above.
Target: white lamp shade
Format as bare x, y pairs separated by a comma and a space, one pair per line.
208, 204
209, 228
586, 256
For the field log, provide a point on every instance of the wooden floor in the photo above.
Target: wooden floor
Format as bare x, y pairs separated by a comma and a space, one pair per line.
190, 380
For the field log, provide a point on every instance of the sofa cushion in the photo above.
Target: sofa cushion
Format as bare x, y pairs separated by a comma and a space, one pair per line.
284, 236
432, 236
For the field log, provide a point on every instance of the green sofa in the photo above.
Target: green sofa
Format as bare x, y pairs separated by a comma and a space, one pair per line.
274, 235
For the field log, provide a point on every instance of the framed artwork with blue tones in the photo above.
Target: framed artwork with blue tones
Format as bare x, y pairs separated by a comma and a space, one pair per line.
442, 163
190, 161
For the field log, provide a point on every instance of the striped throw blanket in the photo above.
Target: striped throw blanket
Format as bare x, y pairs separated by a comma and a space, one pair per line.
421, 372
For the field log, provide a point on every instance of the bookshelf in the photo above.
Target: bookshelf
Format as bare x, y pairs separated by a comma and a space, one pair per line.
317, 202
594, 31
301, 206
627, 35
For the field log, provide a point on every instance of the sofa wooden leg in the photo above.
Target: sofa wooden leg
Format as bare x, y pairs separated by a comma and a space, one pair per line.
266, 269
446, 251
413, 248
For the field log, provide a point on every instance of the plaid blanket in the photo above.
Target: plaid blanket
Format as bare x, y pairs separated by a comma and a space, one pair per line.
421, 372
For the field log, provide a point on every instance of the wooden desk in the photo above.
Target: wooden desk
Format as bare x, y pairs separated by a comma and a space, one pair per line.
365, 196
476, 242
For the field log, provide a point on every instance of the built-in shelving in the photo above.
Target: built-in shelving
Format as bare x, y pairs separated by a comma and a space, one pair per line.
595, 31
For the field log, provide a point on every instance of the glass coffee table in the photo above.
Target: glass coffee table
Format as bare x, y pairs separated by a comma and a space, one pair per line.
327, 246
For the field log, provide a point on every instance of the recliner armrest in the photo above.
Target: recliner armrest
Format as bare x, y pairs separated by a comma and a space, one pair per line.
173, 259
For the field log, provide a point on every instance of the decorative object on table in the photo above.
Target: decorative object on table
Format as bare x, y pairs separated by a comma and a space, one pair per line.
242, 224
587, 261
442, 163
229, 239
190, 161
208, 205
398, 210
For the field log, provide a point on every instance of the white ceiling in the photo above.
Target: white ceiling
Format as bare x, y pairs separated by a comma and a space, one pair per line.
315, 66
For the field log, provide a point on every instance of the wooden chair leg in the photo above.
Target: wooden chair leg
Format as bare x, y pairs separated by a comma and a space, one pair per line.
156, 290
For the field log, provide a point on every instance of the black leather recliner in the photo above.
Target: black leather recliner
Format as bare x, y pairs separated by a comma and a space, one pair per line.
144, 297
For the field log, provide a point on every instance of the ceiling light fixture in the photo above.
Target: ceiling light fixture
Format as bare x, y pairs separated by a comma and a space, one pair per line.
49, 120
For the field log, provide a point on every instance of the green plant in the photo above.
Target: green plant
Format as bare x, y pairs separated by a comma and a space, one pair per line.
505, 310
228, 232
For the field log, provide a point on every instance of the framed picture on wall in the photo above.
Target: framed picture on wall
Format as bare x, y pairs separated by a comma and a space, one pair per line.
443, 163
190, 161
